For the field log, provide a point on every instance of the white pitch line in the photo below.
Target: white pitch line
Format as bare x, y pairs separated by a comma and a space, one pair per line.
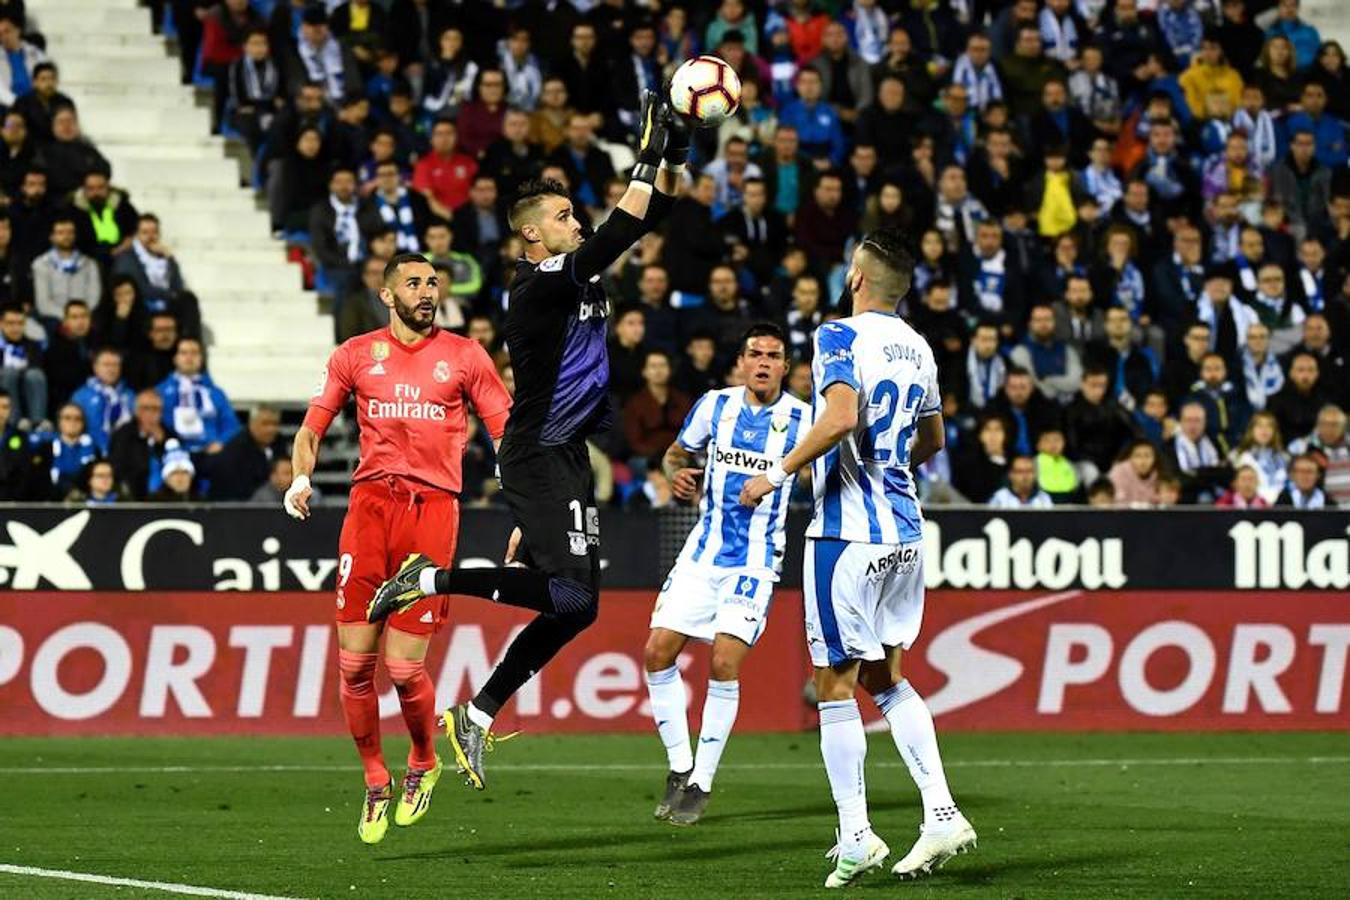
649, 767
166, 886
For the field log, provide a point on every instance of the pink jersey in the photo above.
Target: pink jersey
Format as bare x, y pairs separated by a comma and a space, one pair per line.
411, 403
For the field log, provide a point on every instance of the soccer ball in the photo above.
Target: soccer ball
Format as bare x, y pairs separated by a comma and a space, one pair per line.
706, 89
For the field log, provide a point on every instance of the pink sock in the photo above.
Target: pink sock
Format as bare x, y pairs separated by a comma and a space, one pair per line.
361, 706
417, 697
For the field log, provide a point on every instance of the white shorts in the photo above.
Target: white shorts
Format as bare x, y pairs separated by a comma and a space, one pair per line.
701, 602
860, 598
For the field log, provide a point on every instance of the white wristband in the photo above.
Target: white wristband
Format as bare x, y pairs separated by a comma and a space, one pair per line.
298, 484
777, 475
668, 167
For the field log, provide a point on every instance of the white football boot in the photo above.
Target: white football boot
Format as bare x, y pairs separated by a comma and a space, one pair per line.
848, 869
935, 846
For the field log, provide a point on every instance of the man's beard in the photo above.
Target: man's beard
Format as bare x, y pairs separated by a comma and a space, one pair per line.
408, 316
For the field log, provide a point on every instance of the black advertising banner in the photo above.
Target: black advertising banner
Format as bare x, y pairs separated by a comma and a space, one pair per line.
237, 548
234, 548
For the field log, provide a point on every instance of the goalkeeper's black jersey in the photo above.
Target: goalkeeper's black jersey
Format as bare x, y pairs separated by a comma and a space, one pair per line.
556, 326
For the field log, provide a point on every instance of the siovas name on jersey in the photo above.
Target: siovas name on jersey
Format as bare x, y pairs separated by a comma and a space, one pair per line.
894, 352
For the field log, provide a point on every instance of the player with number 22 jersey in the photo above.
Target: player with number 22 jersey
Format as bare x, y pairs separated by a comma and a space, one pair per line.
878, 416
867, 518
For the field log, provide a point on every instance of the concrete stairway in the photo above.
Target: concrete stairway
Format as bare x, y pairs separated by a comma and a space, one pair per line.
268, 340
1330, 17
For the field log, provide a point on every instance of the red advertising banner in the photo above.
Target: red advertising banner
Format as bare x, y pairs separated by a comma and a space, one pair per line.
157, 663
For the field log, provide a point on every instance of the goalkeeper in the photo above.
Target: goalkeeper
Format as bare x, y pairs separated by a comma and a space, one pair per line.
556, 329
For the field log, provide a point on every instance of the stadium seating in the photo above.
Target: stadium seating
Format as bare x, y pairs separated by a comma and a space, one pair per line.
150, 91
267, 339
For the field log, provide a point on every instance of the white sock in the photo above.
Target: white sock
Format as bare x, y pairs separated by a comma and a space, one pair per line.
719, 714
479, 718
668, 710
426, 580
916, 739
843, 744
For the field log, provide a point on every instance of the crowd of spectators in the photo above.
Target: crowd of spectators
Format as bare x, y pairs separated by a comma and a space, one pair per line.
1132, 217
104, 394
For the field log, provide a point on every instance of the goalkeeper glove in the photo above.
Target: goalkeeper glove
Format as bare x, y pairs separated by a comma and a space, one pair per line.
677, 136
652, 134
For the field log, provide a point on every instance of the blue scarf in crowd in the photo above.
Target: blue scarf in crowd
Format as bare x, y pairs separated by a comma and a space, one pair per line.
1312, 288
1261, 141
924, 274
1129, 290
1299, 500
115, 408
1192, 278
1160, 172
14, 356
399, 216
1182, 29
982, 85
1149, 427
1246, 272
1264, 379
195, 406
1021, 433
1104, 185
69, 459
1058, 36
1214, 136
1269, 309
986, 377
990, 280
65, 266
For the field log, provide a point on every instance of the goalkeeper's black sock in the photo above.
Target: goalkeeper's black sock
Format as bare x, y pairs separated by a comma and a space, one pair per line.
536, 644
526, 588
568, 607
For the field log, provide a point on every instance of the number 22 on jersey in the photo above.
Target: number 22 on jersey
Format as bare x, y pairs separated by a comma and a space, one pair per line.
886, 438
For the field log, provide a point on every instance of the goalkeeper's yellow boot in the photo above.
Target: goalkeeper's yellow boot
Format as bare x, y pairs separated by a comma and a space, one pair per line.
415, 799
470, 741
401, 591
375, 814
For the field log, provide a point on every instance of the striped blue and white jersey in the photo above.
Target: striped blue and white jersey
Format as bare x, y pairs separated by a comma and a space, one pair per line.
741, 441
863, 487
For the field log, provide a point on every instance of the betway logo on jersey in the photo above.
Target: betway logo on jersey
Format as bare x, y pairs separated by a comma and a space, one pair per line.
745, 461
407, 404
997, 561
1275, 555
593, 309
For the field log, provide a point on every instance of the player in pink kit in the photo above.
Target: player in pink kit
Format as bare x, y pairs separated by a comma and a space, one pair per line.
414, 384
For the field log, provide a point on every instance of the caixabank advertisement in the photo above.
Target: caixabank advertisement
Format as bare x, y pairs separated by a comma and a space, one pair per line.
171, 622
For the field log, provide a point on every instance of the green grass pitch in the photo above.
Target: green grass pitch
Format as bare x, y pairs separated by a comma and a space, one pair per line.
1103, 815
